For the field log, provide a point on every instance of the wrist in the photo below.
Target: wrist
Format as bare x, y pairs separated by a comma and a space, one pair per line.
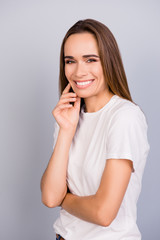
67, 134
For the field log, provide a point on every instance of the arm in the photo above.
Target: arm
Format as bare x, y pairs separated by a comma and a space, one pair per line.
53, 182
102, 207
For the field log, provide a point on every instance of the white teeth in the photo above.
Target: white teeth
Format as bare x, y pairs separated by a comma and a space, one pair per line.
83, 83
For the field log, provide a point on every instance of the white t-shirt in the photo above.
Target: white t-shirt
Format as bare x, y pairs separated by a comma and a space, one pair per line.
119, 131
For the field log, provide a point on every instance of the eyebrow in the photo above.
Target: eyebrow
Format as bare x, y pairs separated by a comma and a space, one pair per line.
84, 56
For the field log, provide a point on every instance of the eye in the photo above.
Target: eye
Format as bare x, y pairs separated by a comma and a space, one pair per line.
69, 61
91, 60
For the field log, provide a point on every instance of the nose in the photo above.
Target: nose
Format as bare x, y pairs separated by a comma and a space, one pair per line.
80, 70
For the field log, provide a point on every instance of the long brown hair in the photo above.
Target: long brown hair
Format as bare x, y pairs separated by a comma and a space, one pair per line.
109, 54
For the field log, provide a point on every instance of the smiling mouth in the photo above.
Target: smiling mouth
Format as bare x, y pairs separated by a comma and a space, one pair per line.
84, 83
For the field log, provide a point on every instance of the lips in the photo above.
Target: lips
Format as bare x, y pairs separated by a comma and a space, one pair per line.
83, 84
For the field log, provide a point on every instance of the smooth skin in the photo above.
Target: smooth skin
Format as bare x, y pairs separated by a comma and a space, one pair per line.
82, 63
53, 182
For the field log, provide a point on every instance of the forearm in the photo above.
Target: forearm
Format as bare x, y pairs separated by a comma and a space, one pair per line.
53, 183
102, 208
86, 208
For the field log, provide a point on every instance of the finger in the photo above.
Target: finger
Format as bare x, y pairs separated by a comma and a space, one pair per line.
66, 90
68, 95
64, 106
66, 100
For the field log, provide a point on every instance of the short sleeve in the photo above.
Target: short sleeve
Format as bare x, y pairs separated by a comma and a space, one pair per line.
55, 133
127, 136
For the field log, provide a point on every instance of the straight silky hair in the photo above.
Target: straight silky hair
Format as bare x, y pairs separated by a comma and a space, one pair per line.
109, 53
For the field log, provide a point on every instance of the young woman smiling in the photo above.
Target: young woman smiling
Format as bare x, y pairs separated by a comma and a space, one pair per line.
100, 141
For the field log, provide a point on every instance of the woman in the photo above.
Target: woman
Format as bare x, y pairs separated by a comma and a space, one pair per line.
101, 145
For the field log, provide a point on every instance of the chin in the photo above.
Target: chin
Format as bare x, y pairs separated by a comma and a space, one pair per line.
83, 95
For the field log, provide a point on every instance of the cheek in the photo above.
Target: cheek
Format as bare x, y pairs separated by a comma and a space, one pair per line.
98, 71
68, 72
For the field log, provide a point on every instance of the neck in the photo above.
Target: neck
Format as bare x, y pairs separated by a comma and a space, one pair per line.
95, 103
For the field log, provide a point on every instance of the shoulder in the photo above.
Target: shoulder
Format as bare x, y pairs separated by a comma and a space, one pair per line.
127, 112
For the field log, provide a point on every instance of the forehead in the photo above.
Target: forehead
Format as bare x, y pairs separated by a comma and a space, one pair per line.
81, 44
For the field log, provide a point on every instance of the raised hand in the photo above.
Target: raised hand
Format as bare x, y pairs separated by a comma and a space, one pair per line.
66, 114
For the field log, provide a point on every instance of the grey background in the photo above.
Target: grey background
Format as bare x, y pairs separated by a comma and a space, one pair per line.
31, 32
